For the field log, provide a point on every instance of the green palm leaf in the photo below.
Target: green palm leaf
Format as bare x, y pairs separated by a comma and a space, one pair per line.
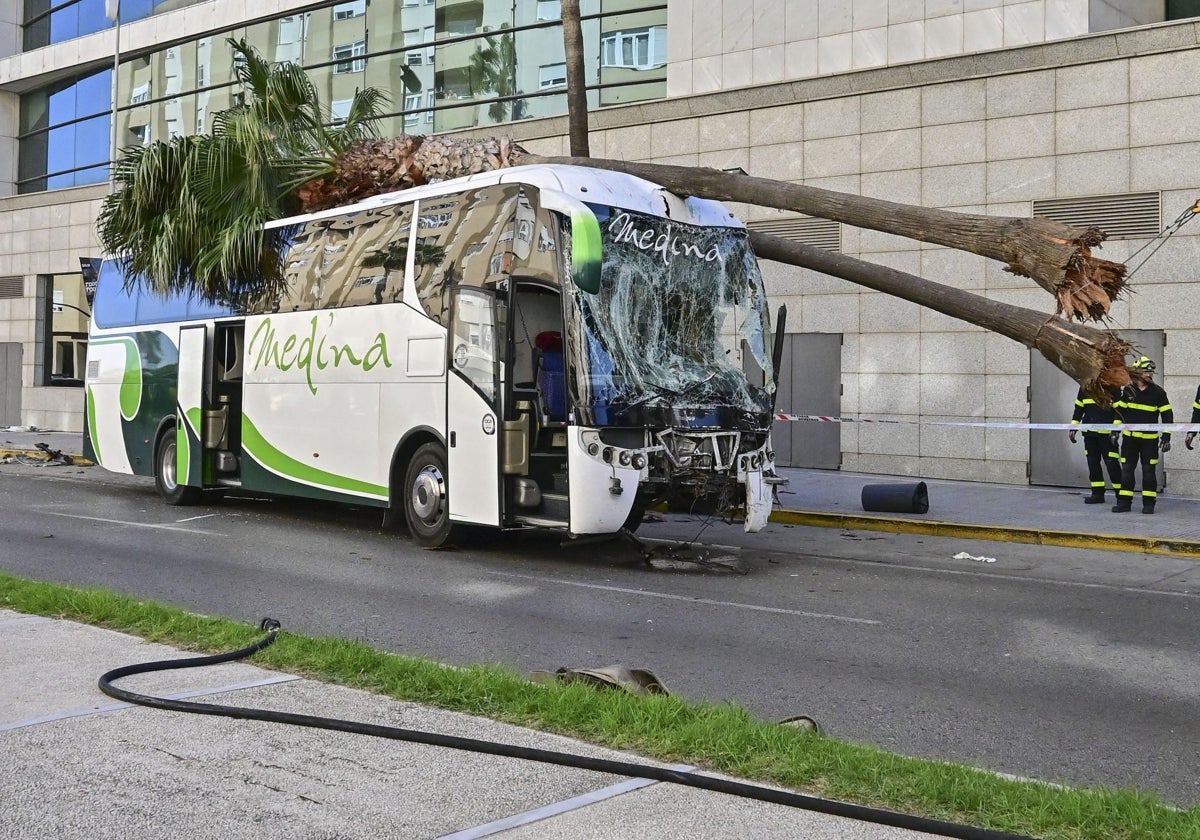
187, 213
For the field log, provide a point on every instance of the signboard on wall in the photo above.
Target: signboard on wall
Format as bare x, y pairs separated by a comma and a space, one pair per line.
90, 266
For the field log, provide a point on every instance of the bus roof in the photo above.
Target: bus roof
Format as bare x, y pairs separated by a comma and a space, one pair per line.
583, 183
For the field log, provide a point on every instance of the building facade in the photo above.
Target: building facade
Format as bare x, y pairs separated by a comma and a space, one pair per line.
1080, 110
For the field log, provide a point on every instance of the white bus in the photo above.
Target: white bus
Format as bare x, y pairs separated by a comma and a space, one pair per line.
536, 347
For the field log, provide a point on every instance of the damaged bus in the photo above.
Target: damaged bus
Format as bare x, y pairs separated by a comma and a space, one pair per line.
545, 347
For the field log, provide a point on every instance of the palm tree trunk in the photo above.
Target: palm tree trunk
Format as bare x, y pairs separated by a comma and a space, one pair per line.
1055, 256
1095, 358
577, 109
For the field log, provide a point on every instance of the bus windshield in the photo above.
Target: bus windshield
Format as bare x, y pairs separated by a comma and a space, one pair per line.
675, 306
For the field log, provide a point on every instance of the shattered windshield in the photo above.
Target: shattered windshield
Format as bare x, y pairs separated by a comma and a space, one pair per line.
679, 311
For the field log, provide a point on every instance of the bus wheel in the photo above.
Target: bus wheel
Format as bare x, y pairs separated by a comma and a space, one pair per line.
426, 505
166, 477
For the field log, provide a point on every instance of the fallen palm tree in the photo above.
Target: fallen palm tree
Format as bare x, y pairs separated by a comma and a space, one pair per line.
1056, 256
1095, 358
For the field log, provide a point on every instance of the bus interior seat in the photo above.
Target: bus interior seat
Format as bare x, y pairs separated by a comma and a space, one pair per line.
549, 373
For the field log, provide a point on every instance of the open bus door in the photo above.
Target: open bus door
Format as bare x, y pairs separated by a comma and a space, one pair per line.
190, 406
473, 413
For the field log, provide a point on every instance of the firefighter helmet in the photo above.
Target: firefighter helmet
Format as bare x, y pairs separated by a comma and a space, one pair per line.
1145, 363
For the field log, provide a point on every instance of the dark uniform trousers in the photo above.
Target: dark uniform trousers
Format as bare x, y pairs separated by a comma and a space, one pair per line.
1144, 451
1101, 453
1101, 456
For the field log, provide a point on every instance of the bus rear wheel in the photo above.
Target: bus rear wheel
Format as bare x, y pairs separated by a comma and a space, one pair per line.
166, 476
426, 499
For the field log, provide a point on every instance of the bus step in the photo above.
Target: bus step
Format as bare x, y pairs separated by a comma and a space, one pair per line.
542, 522
556, 505
229, 482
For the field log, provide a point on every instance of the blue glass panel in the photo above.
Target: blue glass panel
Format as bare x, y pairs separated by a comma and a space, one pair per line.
62, 105
92, 17
64, 24
138, 9
61, 152
113, 305
93, 94
93, 140
198, 308
154, 309
94, 175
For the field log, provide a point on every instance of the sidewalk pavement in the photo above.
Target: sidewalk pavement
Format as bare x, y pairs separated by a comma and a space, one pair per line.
78, 764
965, 509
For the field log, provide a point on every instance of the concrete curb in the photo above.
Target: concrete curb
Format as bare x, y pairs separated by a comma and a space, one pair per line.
997, 533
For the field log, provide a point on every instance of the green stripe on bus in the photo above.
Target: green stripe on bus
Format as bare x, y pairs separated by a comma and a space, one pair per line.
131, 379
93, 433
183, 452
585, 250
261, 450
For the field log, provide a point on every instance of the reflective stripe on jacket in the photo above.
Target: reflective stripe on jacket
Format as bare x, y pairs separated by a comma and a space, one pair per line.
1144, 406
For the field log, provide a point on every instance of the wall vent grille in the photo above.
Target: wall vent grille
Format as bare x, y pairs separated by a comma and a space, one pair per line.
12, 287
1127, 216
822, 233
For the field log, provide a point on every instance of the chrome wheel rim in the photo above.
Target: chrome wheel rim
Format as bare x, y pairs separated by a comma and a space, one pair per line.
428, 497
166, 467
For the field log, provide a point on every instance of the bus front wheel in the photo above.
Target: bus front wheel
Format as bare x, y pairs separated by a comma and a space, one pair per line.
166, 475
426, 503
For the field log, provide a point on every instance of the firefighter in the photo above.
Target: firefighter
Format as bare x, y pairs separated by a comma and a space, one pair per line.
1097, 444
1143, 401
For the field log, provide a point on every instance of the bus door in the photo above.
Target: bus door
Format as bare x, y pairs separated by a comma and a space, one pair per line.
190, 407
473, 407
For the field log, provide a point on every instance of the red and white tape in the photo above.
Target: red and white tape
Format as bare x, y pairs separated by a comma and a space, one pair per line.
1083, 427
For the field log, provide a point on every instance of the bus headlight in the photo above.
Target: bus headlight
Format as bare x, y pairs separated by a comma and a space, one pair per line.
639, 461
624, 458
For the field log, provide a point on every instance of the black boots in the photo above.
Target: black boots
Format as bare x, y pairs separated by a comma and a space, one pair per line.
1096, 498
1124, 505
1148, 505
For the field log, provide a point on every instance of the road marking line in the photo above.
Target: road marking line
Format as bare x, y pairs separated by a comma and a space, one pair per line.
689, 599
194, 518
134, 524
554, 810
112, 707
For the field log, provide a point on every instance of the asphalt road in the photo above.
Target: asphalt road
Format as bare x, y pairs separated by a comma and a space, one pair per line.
1058, 664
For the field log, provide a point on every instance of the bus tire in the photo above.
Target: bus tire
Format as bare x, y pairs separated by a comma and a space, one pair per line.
165, 477
426, 503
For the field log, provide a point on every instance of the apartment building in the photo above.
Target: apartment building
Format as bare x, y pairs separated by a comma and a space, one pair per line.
1082, 110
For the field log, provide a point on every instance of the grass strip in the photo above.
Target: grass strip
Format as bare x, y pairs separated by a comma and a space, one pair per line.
721, 737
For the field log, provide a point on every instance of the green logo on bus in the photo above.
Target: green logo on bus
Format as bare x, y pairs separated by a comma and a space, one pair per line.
294, 350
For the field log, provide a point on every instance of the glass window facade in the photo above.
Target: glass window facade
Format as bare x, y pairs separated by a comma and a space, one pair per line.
446, 65
66, 134
53, 21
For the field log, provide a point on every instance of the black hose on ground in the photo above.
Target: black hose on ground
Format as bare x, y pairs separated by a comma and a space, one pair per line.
599, 765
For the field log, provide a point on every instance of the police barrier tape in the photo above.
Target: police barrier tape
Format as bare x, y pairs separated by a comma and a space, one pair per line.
1083, 427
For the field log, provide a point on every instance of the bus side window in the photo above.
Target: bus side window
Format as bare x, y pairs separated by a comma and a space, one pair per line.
229, 355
